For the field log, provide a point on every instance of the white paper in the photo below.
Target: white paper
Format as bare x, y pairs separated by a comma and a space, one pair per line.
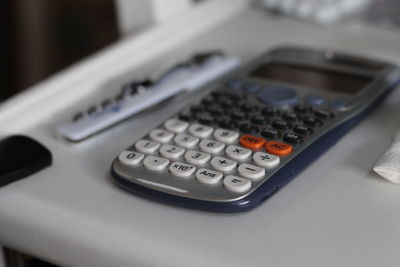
388, 165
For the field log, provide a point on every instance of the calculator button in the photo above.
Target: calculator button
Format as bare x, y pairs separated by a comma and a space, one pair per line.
161, 136
293, 138
238, 115
281, 125
155, 163
250, 171
303, 109
251, 142
259, 120
200, 130
130, 158
223, 164
312, 121
197, 109
146, 146
278, 96
235, 95
248, 128
171, 152
289, 116
211, 146
225, 102
197, 158
269, 112
302, 129
249, 107
270, 133
215, 110
207, 176
176, 126
323, 114
278, 148
237, 152
252, 88
265, 160
226, 136
208, 100
237, 184
205, 119
186, 141
182, 169
228, 124
186, 116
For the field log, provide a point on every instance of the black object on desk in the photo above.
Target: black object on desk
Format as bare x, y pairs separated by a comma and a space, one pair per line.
21, 156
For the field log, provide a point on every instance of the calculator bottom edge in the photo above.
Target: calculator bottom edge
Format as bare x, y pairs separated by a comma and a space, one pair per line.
240, 205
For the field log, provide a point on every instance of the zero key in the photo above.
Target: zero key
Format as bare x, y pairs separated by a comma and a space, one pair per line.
252, 142
278, 148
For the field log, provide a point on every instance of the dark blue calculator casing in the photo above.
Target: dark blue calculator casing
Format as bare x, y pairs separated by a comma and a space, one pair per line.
347, 87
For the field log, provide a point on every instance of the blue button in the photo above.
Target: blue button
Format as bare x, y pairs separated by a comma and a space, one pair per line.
278, 96
315, 100
252, 88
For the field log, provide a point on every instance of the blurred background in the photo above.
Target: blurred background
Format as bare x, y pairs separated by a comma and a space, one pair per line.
42, 37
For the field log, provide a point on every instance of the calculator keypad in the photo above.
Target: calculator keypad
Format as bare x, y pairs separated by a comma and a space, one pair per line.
221, 158
225, 141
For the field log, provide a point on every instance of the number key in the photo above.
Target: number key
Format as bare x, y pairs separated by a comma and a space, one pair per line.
226, 136
176, 126
186, 141
130, 158
171, 152
160, 135
211, 146
200, 130
197, 158
146, 146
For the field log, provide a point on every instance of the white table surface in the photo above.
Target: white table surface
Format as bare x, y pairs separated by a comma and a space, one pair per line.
336, 213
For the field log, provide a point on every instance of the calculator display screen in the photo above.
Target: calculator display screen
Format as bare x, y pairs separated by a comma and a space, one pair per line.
327, 80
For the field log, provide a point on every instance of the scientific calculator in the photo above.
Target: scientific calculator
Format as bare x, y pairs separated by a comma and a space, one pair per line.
247, 135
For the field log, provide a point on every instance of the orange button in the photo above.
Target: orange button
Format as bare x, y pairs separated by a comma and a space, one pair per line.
252, 142
278, 148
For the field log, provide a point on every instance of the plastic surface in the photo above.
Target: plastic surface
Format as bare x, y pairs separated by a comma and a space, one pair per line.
336, 213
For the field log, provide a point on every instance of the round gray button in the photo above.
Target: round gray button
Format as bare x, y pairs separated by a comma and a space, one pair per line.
278, 96
315, 100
